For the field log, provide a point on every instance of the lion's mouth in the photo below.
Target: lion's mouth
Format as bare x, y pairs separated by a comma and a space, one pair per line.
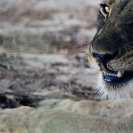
111, 76
117, 77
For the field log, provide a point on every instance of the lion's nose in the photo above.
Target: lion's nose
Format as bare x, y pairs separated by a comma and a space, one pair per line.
104, 58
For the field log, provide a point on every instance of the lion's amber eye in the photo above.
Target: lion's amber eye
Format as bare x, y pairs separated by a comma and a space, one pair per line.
105, 10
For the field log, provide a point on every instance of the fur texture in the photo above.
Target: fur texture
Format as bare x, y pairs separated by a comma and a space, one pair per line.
114, 34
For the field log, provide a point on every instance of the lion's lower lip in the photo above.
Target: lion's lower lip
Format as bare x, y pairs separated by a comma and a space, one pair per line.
111, 77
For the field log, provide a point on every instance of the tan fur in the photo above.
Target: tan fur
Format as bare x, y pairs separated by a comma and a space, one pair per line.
92, 60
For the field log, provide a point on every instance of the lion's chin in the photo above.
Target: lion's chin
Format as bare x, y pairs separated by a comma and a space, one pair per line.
115, 90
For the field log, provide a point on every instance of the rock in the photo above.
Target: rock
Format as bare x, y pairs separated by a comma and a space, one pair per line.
29, 120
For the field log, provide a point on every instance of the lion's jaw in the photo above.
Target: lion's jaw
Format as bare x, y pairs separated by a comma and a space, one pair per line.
109, 92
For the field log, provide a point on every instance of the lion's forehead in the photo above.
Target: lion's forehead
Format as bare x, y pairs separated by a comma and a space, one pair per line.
116, 1
108, 1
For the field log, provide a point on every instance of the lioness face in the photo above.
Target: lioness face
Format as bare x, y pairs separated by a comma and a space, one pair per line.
111, 50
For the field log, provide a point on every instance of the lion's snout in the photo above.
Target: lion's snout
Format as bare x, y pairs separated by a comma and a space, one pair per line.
104, 58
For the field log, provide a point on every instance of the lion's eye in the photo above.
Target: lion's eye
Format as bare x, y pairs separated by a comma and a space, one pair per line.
105, 10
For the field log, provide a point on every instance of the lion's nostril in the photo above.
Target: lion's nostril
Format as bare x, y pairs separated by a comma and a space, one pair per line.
104, 58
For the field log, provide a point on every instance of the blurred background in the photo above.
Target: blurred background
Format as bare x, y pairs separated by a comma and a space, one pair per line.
43, 51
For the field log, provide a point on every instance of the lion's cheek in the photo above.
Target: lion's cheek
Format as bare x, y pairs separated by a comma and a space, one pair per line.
92, 61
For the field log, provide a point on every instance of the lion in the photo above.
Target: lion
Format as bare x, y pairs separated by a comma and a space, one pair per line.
111, 53
111, 49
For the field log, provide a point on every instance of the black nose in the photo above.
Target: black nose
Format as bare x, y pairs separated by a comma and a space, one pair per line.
104, 58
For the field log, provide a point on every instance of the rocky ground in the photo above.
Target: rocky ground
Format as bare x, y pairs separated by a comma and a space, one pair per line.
43, 51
